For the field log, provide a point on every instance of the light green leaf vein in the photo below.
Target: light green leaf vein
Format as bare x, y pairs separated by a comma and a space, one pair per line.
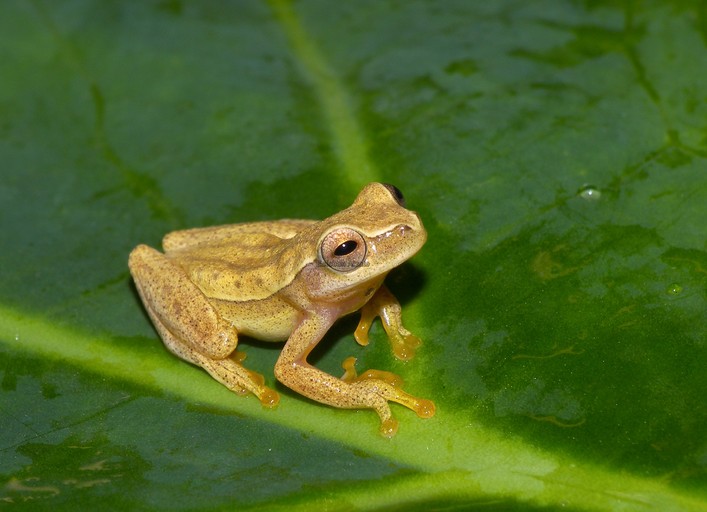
440, 447
337, 105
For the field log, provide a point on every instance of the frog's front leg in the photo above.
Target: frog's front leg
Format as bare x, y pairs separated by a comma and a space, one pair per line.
189, 326
385, 305
372, 390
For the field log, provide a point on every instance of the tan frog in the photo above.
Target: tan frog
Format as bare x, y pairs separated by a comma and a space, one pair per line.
287, 280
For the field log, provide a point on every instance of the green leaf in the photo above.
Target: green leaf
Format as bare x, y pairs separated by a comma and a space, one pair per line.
556, 152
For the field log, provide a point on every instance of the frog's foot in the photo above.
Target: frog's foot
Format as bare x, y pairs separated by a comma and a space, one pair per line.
403, 343
380, 387
385, 305
350, 374
238, 379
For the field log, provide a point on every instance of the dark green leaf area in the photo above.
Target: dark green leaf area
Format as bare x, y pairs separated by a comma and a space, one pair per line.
591, 340
128, 448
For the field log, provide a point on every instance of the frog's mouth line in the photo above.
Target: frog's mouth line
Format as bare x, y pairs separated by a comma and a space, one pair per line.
401, 243
402, 233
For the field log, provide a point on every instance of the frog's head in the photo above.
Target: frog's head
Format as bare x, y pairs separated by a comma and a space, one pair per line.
362, 243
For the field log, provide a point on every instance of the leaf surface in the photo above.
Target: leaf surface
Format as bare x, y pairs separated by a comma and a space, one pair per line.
556, 152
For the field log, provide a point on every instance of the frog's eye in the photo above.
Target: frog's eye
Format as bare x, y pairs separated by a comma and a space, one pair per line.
343, 249
395, 192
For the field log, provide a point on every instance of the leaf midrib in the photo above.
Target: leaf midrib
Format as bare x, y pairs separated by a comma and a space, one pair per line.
468, 455
336, 103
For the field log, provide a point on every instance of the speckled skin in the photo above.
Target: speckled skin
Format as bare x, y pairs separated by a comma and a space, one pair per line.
287, 280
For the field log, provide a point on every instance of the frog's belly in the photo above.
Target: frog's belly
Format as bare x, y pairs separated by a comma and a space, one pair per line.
270, 319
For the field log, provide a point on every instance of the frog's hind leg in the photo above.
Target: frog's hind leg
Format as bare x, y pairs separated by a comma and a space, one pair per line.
227, 371
189, 326
178, 306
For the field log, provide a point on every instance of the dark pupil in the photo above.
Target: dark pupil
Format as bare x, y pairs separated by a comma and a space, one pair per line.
346, 248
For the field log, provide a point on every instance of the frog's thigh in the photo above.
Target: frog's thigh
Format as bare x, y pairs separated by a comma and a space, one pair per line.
184, 317
226, 371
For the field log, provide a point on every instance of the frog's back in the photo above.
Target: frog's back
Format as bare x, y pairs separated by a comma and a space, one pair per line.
240, 262
236, 233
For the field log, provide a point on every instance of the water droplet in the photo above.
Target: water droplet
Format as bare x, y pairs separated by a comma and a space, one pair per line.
674, 289
589, 192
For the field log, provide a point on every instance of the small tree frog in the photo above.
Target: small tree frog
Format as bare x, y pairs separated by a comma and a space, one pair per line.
287, 280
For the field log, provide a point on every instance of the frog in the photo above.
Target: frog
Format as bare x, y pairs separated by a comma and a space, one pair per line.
288, 280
